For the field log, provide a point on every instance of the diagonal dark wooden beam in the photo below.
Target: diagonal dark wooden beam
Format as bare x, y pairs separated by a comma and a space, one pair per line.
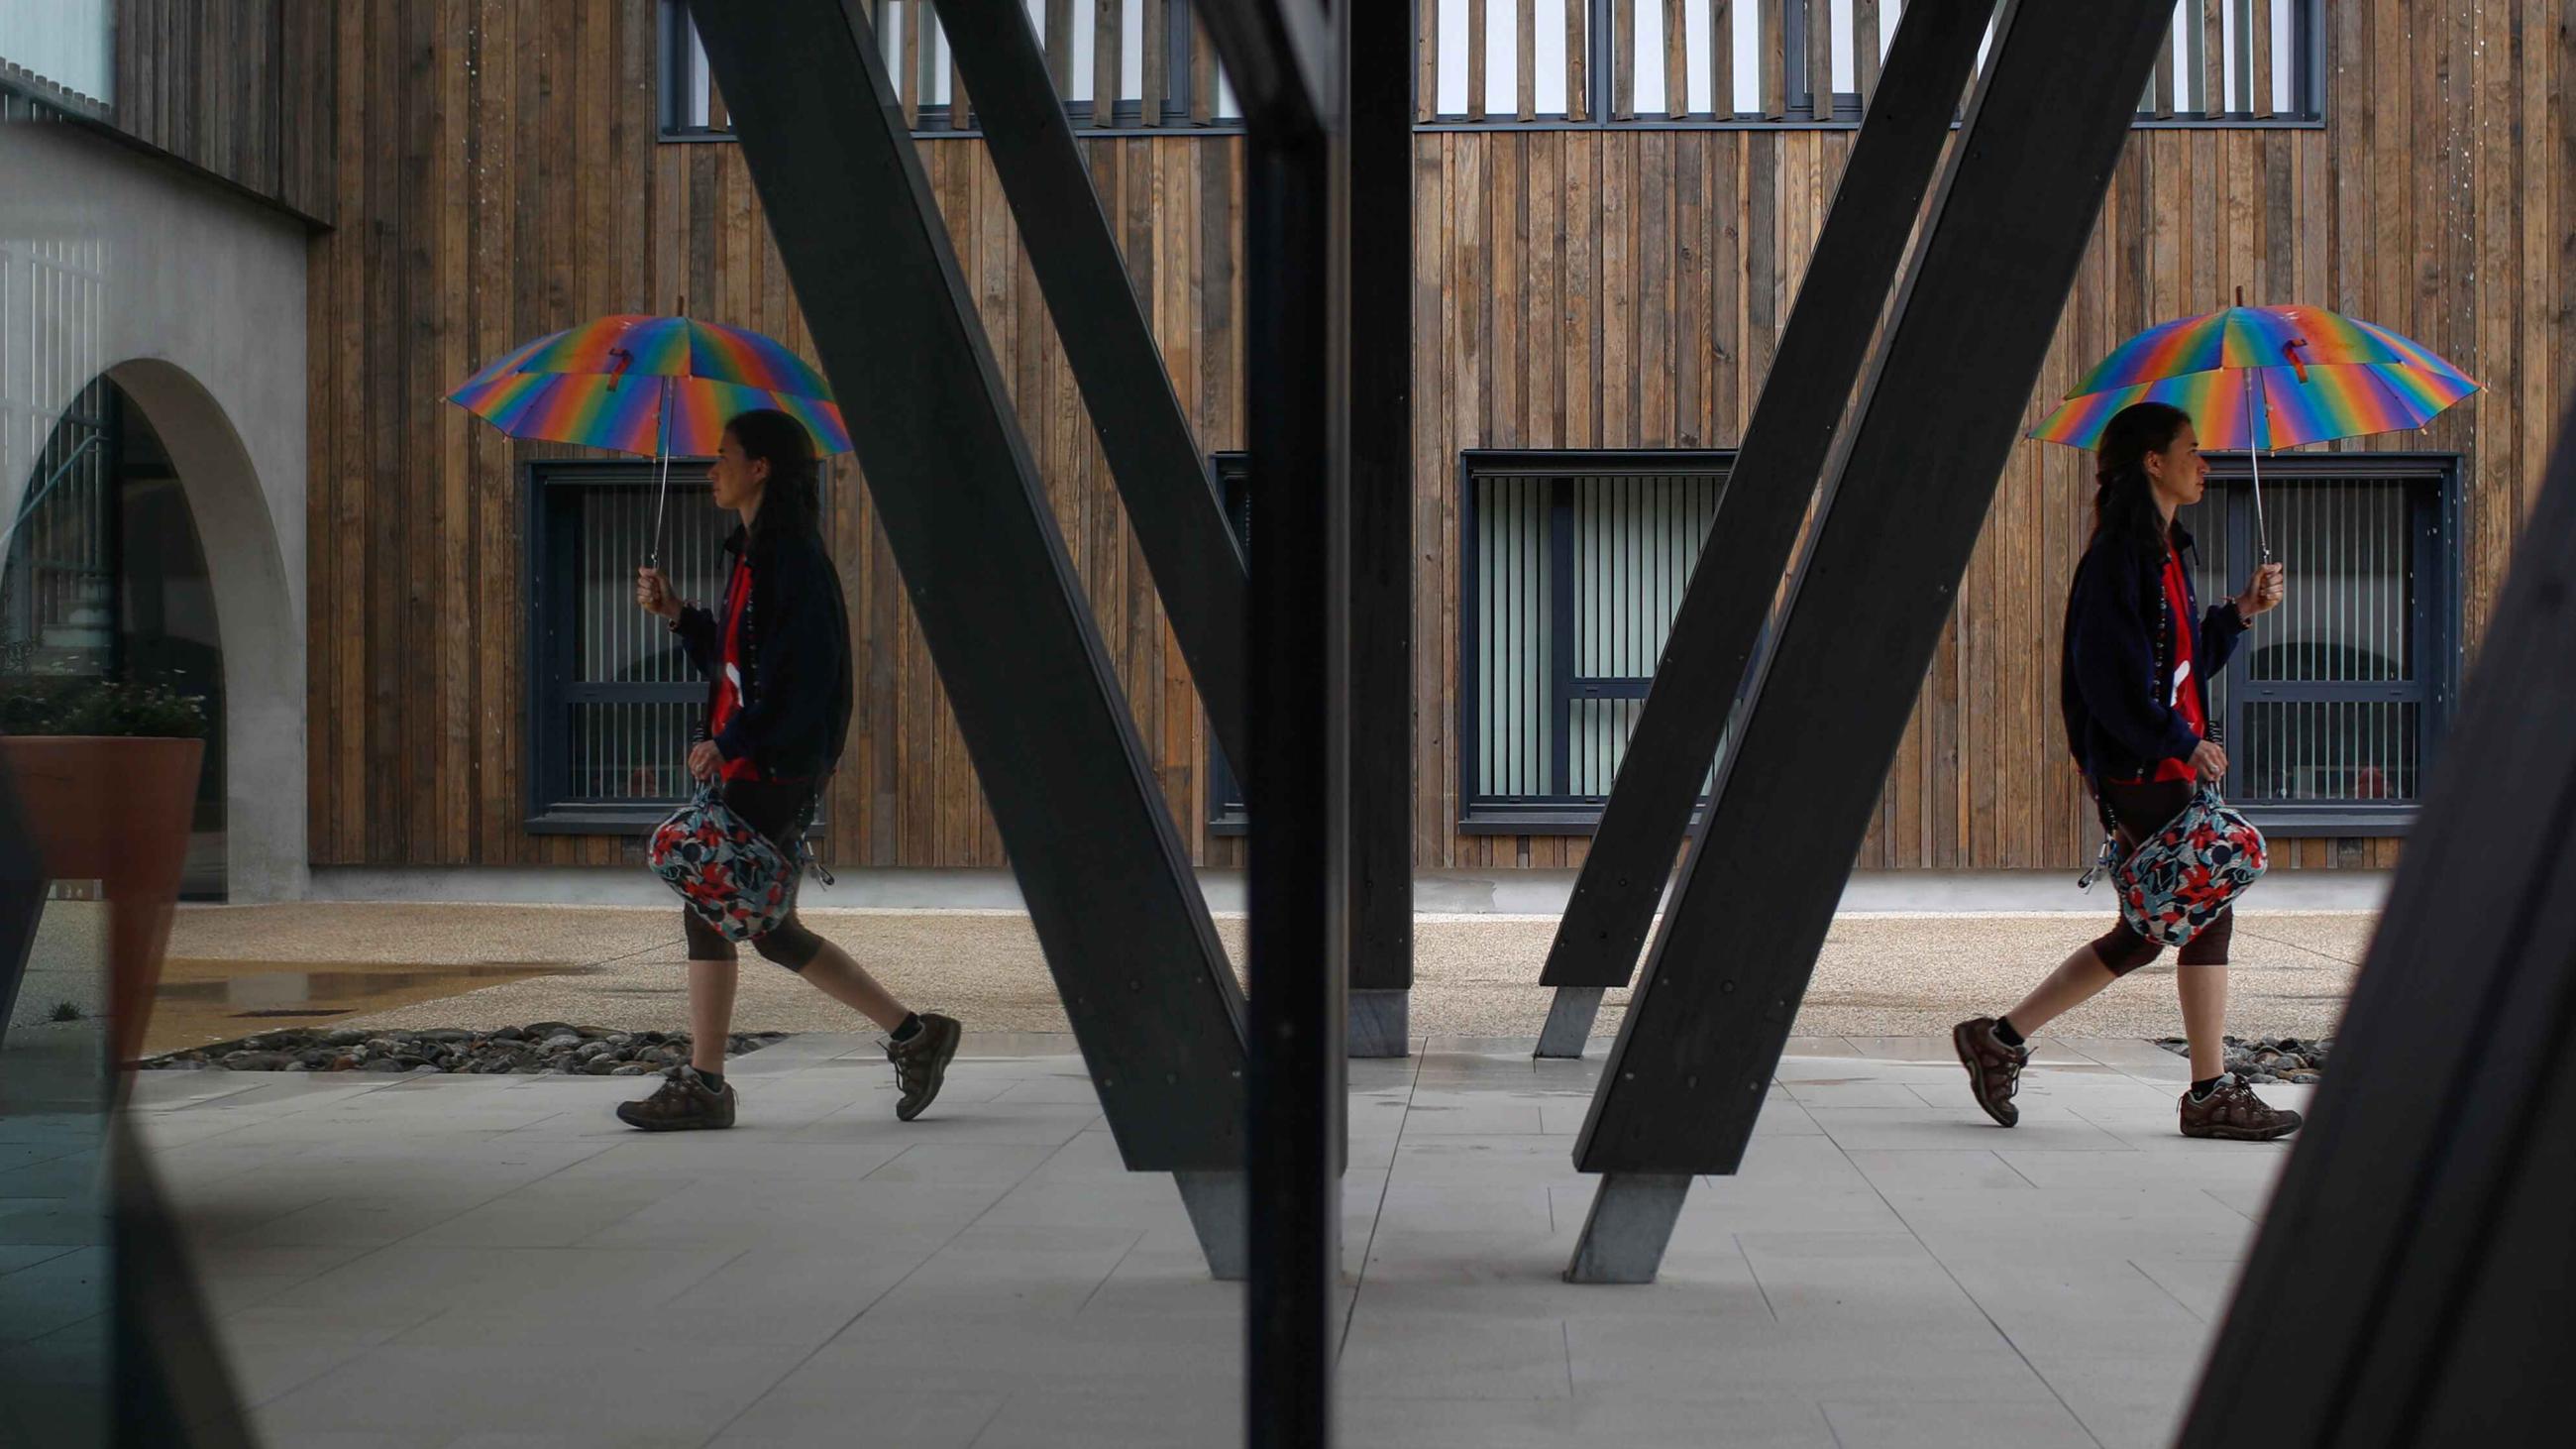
1197, 564
1126, 933
2423, 1219
1161, 474
1904, 500
1767, 494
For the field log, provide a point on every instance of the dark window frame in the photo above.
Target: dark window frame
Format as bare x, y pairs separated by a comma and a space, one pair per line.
548, 557
1557, 813
671, 101
2435, 501
1226, 812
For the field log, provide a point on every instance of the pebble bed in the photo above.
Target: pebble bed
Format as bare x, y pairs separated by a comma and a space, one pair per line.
2268, 1059
538, 1047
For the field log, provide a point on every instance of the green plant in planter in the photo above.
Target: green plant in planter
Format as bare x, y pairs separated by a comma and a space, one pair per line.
103, 707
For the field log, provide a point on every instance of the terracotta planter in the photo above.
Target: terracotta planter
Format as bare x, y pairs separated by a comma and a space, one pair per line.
118, 811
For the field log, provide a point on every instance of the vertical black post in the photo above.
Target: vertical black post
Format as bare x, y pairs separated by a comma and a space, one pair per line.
1284, 62
1380, 70
1299, 723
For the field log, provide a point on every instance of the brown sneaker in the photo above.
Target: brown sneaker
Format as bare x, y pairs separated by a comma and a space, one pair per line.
1994, 1070
921, 1064
683, 1104
2231, 1112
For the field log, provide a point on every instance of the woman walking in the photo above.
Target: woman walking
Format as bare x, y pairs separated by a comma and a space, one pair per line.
2136, 654
776, 653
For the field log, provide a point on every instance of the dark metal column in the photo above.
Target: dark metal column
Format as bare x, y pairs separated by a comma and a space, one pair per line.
1381, 527
1161, 472
1905, 500
1110, 891
1793, 430
2423, 1221
1282, 59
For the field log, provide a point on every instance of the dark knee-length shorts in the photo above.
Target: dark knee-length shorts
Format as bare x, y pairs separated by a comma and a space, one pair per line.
780, 810
2140, 811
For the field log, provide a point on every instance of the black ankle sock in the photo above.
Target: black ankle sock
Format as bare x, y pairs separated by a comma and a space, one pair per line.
714, 1080
911, 1027
2004, 1033
2203, 1089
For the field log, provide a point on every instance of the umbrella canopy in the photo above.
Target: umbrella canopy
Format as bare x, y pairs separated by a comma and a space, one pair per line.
655, 386
2261, 378
2265, 378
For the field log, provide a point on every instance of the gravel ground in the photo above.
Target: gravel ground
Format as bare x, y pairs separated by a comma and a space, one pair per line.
1880, 975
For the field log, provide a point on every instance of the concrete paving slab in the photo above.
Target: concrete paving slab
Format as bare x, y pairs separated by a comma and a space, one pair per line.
1887, 1267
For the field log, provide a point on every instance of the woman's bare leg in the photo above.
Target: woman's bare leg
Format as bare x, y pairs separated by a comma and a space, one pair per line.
2204, 1018
711, 989
2078, 979
847, 982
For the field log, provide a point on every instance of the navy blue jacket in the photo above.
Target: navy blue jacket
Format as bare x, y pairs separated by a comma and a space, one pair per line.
795, 709
2115, 672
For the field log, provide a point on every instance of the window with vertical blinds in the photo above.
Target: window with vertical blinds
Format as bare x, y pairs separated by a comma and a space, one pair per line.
613, 699
1150, 59
1572, 566
2334, 705
58, 586
1806, 62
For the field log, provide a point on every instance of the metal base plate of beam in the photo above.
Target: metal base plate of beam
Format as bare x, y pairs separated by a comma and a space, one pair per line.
1630, 1226
1569, 1022
1220, 1214
1381, 1023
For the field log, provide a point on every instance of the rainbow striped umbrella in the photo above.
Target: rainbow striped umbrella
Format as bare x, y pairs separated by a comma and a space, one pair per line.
2263, 378
661, 387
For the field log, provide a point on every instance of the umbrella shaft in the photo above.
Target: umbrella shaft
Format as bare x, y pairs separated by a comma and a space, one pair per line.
662, 495
2254, 458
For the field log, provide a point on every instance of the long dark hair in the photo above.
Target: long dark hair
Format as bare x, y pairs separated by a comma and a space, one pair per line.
2125, 516
2124, 498
791, 502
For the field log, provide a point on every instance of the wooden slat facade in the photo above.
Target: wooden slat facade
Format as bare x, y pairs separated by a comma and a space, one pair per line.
243, 89
1575, 288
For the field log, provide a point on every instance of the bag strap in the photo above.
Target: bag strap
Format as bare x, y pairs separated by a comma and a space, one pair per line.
806, 861
2106, 856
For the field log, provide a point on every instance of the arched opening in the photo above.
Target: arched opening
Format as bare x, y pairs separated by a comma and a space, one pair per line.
142, 550
105, 578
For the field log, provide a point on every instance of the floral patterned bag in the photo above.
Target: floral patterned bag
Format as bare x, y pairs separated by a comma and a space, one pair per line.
2180, 878
729, 874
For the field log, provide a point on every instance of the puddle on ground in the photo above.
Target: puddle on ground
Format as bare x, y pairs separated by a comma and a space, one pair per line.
200, 1002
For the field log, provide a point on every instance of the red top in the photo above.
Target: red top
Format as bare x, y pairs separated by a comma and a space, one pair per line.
729, 668
2186, 684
